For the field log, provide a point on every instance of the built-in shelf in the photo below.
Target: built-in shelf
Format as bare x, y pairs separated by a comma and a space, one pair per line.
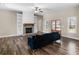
19, 24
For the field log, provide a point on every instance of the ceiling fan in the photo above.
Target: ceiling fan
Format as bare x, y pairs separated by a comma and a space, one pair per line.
38, 11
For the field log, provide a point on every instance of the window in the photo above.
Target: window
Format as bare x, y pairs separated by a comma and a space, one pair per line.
72, 24
56, 25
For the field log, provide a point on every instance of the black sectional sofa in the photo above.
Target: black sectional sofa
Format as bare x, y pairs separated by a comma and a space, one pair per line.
38, 41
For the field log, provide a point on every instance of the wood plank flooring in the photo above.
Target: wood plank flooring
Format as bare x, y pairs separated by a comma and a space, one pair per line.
18, 45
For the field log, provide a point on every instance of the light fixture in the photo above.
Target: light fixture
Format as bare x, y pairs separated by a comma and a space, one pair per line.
38, 11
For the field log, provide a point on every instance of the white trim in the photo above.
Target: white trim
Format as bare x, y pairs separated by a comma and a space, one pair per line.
70, 37
73, 18
9, 35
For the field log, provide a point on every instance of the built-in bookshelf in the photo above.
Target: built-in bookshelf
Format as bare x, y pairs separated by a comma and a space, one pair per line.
19, 23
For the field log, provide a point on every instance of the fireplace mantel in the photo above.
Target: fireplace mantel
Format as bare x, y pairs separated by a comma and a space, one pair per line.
28, 28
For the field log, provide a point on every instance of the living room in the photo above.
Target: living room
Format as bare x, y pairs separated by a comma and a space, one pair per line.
51, 21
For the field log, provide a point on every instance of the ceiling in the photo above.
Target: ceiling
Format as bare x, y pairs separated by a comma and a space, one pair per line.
30, 6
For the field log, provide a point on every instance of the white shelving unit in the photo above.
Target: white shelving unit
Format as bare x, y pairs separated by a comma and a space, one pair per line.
19, 24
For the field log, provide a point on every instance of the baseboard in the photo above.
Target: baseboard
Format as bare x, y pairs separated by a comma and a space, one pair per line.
9, 35
71, 37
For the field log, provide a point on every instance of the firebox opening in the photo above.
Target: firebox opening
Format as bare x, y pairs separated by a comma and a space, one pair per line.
28, 30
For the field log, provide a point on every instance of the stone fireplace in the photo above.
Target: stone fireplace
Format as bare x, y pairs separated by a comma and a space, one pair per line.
28, 28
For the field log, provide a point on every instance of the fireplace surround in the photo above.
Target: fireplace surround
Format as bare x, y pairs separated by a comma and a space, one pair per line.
28, 28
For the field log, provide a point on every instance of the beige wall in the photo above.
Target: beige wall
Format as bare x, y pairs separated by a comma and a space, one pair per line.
63, 15
77, 21
49, 15
64, 19
8, 25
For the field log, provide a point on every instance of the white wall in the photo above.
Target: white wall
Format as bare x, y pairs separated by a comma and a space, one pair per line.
28, 17
63, 15
48, 16
38, 26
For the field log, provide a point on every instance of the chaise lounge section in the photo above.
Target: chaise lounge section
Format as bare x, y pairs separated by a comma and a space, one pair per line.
39, 41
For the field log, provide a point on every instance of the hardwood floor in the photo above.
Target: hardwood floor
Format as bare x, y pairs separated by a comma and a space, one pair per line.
18, 46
